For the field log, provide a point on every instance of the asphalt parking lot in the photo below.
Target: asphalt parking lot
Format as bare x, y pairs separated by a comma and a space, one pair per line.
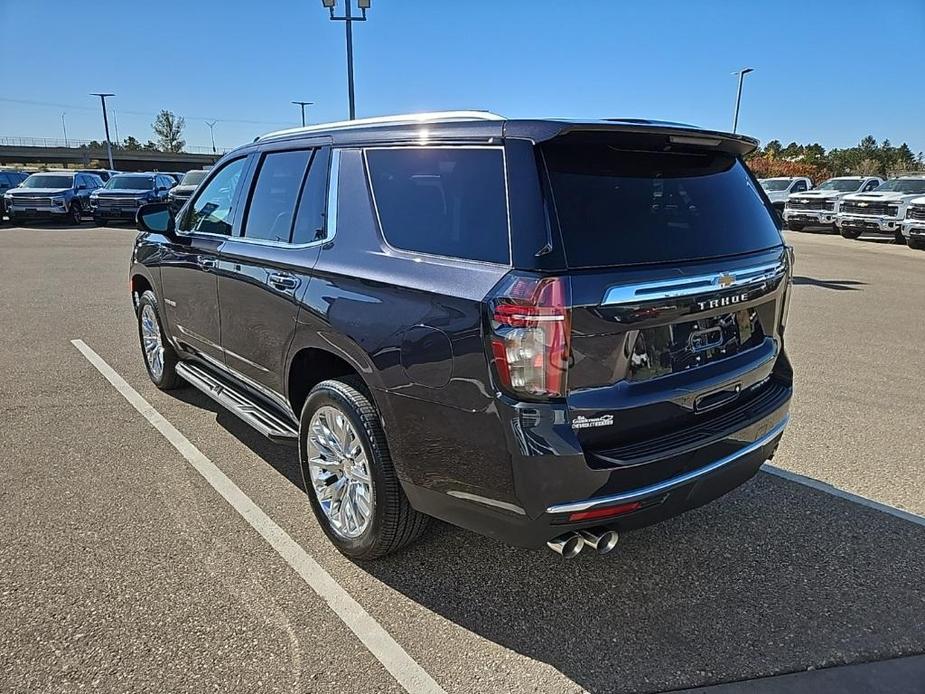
122, 569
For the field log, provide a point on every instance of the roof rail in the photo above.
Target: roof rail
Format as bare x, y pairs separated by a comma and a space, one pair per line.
399, 119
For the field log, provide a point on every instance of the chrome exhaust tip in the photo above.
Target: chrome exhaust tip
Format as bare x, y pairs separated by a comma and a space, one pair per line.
602, 540
568, 545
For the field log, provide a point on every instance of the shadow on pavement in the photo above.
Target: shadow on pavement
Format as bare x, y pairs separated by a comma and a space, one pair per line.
838, 285
772, 578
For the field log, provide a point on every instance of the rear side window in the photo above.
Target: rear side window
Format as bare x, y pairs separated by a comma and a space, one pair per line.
625, 207
272, 204
444, 201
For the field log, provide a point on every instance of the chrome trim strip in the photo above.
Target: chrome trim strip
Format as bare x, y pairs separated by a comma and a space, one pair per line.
690, 286
673, 482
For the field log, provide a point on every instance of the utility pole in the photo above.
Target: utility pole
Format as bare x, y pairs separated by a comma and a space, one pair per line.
64, 127
349, 19
741, 73
106, 126
303, 104
211, 124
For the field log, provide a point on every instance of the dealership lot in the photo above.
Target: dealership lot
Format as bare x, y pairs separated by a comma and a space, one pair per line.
122, 568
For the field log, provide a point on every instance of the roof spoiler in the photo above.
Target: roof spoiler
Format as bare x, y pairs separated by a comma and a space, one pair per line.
676, 134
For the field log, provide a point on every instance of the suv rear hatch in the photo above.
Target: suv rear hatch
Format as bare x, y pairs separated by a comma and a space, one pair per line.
677, 280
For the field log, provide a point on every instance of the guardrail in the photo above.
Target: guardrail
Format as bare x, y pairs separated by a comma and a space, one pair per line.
82, 144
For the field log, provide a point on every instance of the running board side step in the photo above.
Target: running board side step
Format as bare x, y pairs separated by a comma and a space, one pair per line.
239, 403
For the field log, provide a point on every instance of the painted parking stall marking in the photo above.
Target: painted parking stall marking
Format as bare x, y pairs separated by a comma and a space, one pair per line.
409, 674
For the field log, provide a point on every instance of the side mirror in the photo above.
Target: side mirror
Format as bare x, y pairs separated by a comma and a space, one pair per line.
156, 218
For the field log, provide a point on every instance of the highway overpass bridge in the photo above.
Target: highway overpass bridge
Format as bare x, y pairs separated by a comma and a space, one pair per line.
123, 159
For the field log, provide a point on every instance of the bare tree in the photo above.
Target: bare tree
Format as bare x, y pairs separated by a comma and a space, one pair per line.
169, 130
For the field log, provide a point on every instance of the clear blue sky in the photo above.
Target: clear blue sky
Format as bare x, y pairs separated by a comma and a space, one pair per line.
825, 71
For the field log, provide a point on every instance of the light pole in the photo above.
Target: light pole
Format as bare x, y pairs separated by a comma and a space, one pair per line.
106, 126
64, 127
211, 124
741, 73
349, 19
303, 104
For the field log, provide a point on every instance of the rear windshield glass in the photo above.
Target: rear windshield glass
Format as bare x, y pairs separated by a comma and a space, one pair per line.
444, 201
624, 207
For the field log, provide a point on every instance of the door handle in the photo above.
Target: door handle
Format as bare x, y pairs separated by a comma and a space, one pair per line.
206, 263
282, 280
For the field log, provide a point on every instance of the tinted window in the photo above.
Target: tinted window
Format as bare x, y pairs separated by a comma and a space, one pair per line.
446, 201
799, 186
272, 204
309, 221
4, 180
212, 210
618, 207
194, 178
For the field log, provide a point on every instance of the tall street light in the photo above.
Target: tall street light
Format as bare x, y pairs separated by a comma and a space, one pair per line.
106, 125
211, 124
741, 73
64, 127
349, 19
303, 104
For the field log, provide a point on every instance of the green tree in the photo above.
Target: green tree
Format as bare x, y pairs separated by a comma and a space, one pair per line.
773, 149
169, 130
131, 144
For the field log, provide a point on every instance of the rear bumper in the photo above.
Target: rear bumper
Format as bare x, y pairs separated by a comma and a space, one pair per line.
549, 487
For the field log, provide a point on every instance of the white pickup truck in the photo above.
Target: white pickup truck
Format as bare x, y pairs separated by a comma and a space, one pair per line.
880, 211
779, 189
914, 224
819, 206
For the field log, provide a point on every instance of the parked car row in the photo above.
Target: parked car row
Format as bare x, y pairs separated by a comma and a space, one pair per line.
854, 205
106, 195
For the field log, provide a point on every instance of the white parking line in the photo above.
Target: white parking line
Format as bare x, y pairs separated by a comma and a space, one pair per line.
842, 494
411, 676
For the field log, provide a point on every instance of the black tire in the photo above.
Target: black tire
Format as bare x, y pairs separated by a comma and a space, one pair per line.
795, 227
849, 233
168, 378
394, 523
916, 244
899, 239
99, 222
75, 214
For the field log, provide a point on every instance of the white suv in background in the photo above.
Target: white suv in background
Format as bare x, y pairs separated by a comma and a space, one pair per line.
914, 224
818, 207
779, 189
880, 211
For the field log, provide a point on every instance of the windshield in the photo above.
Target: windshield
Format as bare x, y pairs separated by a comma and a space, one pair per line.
775, 184
48, 181
130, 183
193, 178
903, 185
623, 207
842, 185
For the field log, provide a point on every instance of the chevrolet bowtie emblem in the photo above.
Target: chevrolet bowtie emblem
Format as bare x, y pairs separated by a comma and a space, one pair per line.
725, 280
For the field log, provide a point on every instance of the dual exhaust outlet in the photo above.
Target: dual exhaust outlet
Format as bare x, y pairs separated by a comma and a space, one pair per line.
571, 544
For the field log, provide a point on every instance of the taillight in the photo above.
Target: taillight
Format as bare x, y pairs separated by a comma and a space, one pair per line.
531, 333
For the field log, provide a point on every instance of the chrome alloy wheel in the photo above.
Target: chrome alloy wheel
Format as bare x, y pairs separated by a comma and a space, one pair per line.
339, 472
151, 341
